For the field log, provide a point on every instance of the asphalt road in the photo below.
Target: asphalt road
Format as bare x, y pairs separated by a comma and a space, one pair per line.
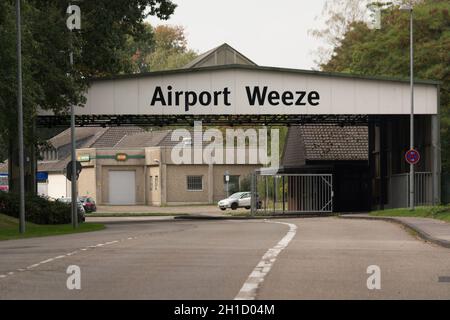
308, 258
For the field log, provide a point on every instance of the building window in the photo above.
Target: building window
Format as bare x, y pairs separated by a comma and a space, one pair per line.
150, 187
156, 183
195, 183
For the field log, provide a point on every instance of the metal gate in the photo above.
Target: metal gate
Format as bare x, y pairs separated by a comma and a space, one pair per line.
292, 193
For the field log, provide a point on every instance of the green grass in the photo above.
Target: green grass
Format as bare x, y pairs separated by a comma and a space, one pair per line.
435, 212
133, 214
9, 229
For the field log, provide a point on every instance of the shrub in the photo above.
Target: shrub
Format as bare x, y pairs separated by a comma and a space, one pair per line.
38, 210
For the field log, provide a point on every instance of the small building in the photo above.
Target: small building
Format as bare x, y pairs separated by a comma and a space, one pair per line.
341, 151
132, 166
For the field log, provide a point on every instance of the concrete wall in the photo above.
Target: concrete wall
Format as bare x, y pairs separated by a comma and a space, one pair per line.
235, 170
86, 183
213, 184
176, 184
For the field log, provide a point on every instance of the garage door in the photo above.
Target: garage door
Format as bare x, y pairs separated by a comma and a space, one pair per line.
122, 187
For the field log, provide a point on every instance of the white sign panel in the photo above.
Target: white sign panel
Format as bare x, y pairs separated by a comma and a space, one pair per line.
259, 91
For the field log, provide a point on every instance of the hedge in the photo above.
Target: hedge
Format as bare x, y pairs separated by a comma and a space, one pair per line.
38, 210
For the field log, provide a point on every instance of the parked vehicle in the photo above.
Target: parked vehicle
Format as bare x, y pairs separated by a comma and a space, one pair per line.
80, 208
88, 204
236, 200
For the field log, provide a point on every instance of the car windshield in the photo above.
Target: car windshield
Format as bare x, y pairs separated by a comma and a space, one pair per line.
236, 195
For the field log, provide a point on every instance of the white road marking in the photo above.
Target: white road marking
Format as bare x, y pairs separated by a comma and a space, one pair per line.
46, 261
63, 256
256, 277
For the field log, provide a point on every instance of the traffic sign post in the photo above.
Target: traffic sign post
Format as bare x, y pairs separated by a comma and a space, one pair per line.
412, 156
69, 170
227, 179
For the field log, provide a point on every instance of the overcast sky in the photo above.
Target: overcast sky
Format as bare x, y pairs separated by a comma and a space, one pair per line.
271, 33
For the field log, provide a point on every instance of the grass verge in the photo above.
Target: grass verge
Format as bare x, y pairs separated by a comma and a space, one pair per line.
9, 229
133, 214
435, 212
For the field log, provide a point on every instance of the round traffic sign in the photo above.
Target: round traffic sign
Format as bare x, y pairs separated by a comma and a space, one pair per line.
412, 156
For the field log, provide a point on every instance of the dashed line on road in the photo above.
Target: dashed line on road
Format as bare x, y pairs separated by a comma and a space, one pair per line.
2, 276
256, 277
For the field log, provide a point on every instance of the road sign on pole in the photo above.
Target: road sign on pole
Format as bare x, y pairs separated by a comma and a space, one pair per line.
227, 180
412, 156
69, 170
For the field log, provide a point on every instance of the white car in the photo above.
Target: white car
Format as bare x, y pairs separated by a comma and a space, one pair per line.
236, 200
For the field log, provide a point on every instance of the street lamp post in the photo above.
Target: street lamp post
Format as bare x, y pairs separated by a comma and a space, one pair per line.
73, 22
20, 121
409, 8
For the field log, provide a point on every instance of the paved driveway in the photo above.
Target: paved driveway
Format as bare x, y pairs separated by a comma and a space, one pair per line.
294, 259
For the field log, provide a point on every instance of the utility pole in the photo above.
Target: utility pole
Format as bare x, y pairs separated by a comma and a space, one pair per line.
73, 22
411, 166
20, 121
409, 8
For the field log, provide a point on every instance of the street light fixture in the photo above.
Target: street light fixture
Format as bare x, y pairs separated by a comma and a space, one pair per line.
409, 8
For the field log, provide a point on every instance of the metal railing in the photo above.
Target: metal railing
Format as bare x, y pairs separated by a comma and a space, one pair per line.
399, 190
292, 193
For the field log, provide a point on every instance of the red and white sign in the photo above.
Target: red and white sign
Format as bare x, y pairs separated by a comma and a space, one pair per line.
412, 156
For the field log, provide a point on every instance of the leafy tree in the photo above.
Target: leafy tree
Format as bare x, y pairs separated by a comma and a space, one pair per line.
386, 52
168, 50
338, 17
48, 79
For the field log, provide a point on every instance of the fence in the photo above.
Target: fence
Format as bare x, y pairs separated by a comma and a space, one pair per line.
399, 190
293, 193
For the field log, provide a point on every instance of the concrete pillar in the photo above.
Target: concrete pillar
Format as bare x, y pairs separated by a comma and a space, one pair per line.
98, 183
163, 183
146, 191
210, 183
436, 158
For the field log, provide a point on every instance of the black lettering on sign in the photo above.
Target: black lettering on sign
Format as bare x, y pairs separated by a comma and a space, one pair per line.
257, 96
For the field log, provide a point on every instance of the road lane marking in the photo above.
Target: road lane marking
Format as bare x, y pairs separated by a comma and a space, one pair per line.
256, 277
64, 256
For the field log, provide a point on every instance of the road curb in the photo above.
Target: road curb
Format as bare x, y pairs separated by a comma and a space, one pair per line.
176, 218
422, 234
284, 216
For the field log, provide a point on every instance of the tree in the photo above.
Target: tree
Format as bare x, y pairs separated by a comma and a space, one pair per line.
385, 52
48, 79
338, 17
168, 50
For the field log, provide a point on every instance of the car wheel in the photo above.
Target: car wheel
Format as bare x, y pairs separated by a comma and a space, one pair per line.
248, 207
223, 209
234, 206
